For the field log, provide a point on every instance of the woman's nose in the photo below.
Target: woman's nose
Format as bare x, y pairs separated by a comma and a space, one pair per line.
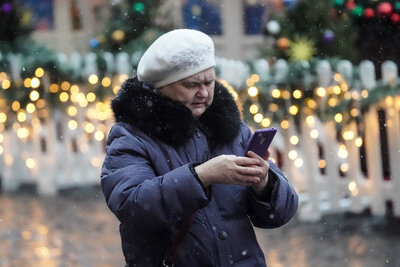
202, 92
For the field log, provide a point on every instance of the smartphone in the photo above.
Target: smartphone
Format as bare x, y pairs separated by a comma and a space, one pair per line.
260, 141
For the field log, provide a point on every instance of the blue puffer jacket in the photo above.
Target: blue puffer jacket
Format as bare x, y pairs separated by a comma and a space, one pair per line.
148, 184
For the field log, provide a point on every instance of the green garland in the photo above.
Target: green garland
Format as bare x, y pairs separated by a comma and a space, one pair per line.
301, 77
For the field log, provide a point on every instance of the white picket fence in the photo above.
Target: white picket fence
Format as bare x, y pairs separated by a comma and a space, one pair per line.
330, 192
54, 157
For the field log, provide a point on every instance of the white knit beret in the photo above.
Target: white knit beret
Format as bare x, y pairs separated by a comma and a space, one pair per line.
176, 55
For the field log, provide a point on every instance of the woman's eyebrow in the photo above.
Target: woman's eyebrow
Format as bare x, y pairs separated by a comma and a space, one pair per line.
198, 80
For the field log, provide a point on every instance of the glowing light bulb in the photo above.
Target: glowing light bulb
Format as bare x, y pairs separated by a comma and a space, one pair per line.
338, 117
93, 79
53, 88
74, 89
266, 122
39, 72
65, 86
22, 133
64, 97
30, 108
320, 91
358, 142
15, 105
276, 93
342, 152
106, 82
72, 124
254, 109
297, 94
3, 117
99, 135
252, 91
35, 83
27, 82
364, 93
258, 117
116, 89
352, 186
298, 162
354, 112
286, 94
332, 102
273, 107
30, 163
89, 127
6, 84
322, 163
72, 111
34, 95
294, 140
293, 110
311, 103
348, 135
21, 116
285, 124
314, 133
344, 167
337, 90
292, 154
255, 77
310, 120
91, 97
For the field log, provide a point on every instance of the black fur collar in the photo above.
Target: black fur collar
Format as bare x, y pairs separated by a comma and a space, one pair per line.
140, 106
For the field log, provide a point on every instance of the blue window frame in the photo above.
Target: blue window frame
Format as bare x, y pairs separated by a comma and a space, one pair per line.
203, 16
41, 12
254, 18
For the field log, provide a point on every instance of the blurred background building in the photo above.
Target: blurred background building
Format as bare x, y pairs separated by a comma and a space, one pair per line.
236, 26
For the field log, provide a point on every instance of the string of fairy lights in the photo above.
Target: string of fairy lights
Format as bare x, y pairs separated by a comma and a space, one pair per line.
73, 99
322, 104
264, 104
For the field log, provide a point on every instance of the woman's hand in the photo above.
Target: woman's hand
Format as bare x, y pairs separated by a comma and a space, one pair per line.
258, 188
230, 169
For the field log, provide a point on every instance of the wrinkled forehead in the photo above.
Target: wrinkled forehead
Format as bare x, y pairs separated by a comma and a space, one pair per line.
205, 75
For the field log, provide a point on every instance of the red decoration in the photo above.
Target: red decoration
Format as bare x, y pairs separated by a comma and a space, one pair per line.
350, 5
283, 43
369, 13
395, 18
385, 9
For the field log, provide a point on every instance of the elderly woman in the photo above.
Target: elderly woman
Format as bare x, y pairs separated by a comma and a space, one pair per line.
175, 175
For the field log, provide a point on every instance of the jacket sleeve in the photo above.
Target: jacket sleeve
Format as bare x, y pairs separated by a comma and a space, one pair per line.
136, 195
281, 202
280, 206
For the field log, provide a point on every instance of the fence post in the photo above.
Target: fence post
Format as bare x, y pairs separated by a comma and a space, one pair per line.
329, 145
354, 172
46, 183
392, 110
372, 142
374, 163
310, 211
394, 153
294, 175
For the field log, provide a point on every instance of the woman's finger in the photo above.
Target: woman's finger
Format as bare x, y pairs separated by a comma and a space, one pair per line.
243, 161
249, 170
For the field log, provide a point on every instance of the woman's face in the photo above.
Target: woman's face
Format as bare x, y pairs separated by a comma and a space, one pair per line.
196, 92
